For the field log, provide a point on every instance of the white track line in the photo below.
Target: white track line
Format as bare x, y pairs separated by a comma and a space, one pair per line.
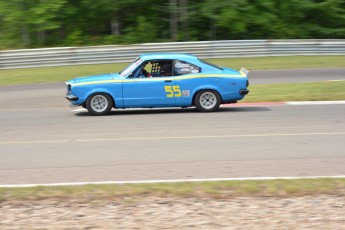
79, 110
165, 181
315, 102
169, 138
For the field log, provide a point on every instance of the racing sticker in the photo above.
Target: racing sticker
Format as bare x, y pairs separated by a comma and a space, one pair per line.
185, 93
173, 91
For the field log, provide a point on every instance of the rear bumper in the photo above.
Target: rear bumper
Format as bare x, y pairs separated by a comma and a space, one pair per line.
71, 97
244, 92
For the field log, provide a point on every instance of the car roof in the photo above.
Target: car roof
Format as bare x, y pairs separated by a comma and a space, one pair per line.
180, 56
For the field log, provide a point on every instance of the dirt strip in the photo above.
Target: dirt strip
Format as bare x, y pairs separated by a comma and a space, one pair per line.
304, 212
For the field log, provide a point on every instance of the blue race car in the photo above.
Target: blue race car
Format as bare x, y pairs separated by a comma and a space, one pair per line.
160, 80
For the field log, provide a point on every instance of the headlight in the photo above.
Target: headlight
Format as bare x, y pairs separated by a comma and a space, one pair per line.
69, 87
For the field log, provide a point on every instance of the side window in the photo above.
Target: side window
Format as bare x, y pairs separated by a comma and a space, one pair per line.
161, 68
153, 68
181, 68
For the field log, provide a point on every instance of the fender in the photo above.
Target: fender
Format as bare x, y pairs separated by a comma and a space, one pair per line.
206, 87
118, 101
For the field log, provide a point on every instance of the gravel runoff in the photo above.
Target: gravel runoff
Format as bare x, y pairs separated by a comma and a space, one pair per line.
305, 212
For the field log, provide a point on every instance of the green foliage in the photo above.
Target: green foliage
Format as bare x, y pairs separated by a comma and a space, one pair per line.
46, 23
75, 38
26, 23
143, 31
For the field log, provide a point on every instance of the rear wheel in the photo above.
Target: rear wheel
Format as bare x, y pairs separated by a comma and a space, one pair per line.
207, 101
99, 104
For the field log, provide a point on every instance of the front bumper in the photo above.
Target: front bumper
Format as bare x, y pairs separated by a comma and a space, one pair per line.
71, 97
244, 92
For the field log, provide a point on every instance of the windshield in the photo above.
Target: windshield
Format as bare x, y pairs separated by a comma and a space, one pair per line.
129, 69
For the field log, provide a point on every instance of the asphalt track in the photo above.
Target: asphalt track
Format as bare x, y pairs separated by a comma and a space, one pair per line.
44, 141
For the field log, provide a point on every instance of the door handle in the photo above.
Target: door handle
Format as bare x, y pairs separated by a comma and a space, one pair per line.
168, 81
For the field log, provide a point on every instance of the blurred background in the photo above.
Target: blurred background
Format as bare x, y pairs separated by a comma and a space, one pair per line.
51, 23
43, 141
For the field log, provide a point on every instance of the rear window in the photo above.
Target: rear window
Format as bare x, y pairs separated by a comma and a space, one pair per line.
211, 64
182, 68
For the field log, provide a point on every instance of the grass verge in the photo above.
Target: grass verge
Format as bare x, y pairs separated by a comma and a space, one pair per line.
313, 91
221, 189
63, 73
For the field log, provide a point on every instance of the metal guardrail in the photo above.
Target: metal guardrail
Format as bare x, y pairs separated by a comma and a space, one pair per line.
26, 58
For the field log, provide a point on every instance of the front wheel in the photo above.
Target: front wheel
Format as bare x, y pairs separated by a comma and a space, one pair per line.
99, 104
207, 101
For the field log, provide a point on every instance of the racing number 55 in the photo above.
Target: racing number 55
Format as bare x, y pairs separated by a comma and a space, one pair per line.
173, 91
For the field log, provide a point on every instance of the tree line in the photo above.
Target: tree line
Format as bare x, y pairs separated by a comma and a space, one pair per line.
47, 23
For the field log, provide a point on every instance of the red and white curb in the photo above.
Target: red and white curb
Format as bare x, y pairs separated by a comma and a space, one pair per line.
167, 181
244, 104
316, 103
287, 103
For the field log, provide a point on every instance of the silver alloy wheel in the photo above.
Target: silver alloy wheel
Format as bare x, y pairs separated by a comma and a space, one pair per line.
208, 100
99, 103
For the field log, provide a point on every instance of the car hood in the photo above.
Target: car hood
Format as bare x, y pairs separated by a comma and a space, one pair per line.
103, 77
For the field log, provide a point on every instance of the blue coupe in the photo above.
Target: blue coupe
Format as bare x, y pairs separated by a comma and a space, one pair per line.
160, 80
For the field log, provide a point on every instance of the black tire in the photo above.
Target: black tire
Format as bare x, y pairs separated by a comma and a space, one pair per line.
99, 104
207, 101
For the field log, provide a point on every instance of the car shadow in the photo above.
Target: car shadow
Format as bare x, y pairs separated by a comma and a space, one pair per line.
148, 111
244, 109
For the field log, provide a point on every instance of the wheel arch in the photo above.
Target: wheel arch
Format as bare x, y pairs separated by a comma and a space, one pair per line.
99, 91
204, 89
